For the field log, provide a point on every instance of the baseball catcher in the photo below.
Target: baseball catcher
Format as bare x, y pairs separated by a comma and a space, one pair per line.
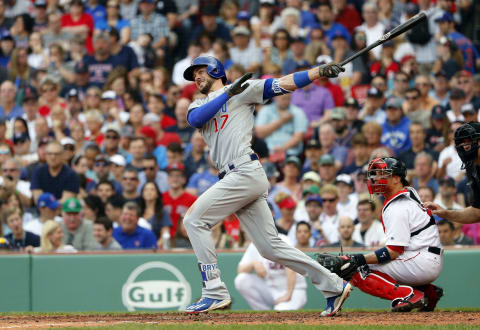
403, 270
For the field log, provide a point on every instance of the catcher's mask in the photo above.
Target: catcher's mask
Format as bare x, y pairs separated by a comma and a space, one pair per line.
466, 142
382, 169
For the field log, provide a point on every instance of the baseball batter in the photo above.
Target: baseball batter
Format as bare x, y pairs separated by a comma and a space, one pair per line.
225, 119
404, 269
272, 286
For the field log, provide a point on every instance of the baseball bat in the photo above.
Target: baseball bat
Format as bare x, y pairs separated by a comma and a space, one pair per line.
407, 25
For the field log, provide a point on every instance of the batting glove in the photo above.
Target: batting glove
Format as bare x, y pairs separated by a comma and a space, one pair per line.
237, 86
330, 70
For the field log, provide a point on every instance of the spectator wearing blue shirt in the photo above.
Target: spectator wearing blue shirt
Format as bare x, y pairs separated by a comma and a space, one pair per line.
201, 181
282, 125
395, 130
470, 54
19, 239
54, 176
128, 234
326, 17
122, 55
96, 10
8, 108
114, 20
101, 63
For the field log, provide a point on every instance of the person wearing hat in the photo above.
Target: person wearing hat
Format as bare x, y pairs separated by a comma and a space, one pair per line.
111, 146
282, 125
8, 108
314, 208
327, 169
286, 223
352, 109
457, 99
313, 151
7, 44
434, 135
470, 54
312, 99
291, 170
347, 200
334, 89
40, 14
395, 129
470, 113
372, 108
47, 206
440, 91
77, 231
118, 166
244, 52
449, 58
310, 184
465, 82
338, 118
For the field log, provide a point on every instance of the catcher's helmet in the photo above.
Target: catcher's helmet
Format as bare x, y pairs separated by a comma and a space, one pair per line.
381, 169
214, 68
466, 139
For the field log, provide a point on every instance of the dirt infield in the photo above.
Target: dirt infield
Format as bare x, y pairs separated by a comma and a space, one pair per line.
307, 318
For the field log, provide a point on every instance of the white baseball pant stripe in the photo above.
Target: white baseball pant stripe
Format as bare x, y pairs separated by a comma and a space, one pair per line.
243, 191
260, 296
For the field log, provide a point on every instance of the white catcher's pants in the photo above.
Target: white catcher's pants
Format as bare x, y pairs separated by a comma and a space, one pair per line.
243, 192
260, 296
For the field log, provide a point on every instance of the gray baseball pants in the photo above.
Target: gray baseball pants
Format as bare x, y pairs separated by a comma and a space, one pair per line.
243, 191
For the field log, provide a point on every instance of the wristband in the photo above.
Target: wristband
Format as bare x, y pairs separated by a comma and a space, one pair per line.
383, 255
301, 79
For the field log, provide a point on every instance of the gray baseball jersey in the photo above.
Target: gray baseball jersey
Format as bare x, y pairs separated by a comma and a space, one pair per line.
229, 133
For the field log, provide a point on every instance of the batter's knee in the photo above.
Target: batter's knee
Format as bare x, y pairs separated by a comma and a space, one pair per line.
268, 252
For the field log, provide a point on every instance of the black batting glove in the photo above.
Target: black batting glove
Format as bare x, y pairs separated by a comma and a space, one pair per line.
330, 70
237, 86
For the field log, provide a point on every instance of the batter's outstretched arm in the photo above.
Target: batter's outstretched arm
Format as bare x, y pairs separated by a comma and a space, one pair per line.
293, 81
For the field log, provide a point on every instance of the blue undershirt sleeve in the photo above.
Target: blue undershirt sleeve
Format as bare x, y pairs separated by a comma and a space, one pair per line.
199, 116
272, 88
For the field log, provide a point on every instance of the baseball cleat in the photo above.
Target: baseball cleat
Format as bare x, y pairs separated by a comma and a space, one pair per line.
433, 294
334, 304
415, 300
205, 305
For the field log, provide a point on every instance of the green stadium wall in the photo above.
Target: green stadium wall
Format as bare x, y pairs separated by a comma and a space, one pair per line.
161, 282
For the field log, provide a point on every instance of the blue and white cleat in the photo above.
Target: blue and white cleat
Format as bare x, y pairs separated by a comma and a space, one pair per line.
205, 305
334, 304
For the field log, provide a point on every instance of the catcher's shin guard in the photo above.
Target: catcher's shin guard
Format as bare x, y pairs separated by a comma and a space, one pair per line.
404, 298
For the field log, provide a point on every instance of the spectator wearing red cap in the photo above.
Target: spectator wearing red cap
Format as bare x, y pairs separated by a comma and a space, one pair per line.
176, 200
408, 64
286, 222
466, 83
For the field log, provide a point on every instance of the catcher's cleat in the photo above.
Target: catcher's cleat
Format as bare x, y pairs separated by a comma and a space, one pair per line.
415, 300
334, 304
432, 294
205, 305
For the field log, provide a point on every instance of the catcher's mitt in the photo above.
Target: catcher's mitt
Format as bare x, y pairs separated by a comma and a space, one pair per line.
344, 266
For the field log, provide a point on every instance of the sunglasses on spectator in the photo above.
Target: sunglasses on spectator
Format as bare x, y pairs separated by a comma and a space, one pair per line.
149, 168
69, 147
101, 164
330, 200
10, 169
411, 97
112, 137
463, 82
129, 178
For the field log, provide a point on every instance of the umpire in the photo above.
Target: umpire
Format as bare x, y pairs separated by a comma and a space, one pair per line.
466, 139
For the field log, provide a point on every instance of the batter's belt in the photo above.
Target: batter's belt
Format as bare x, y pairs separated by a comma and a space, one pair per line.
236, 163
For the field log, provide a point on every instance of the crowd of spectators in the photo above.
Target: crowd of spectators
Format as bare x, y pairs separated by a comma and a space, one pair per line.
96, 152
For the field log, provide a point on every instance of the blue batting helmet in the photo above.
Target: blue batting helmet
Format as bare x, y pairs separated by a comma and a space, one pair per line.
214, 68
